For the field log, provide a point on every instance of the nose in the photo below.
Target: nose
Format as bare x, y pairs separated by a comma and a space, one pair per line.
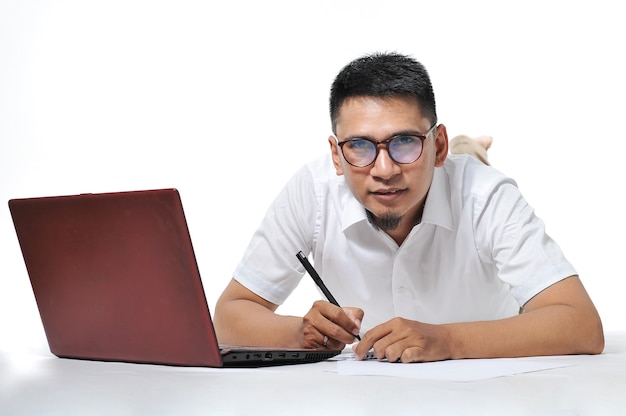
384, 167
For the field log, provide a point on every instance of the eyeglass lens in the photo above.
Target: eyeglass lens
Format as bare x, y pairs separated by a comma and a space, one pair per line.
402, 149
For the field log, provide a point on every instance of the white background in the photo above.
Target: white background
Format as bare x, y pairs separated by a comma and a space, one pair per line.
225, 100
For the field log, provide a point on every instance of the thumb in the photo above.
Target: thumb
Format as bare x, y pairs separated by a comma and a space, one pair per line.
356, 314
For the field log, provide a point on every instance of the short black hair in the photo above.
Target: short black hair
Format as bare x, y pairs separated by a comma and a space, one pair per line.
386, 74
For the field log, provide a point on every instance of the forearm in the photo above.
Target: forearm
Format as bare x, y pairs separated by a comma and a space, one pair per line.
550, 330
242, 322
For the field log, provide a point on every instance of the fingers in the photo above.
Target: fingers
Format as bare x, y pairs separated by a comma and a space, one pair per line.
406, 341
329, 326
332, 344
356, 314
373, 339
313, 338
391, 341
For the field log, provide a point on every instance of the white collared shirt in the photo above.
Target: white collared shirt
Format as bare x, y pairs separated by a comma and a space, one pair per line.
479, 252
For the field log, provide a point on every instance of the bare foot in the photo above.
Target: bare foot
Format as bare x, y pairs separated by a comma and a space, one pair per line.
484, 141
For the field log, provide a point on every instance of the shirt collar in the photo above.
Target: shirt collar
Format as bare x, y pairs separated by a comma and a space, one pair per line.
438, 208
353, 211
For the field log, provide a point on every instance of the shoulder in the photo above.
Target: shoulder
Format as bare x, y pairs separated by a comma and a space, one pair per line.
320, 169
465, 185
312, 183
473, 178
317, 175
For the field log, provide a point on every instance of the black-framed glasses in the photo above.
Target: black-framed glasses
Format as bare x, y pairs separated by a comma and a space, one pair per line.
402, 148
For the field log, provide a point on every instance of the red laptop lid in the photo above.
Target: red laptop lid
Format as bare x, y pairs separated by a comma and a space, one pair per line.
115, 277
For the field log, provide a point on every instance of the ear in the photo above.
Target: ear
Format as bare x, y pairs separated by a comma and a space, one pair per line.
334, 151
441, 145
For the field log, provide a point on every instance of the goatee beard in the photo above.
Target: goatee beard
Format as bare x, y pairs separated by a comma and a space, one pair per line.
386, 222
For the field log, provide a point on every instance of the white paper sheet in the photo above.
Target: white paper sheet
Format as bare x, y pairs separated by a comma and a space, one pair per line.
451, 370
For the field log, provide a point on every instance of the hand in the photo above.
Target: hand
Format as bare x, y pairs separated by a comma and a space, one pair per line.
407, 341
327, 326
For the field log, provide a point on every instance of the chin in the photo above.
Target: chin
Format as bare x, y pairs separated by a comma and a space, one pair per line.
386, 221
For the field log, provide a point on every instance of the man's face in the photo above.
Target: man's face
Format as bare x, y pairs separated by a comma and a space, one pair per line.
387, 189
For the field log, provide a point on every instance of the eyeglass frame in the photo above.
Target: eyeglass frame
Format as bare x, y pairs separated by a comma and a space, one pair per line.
376, 144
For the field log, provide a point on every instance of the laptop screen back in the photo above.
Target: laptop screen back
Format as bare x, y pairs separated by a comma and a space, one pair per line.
115, 277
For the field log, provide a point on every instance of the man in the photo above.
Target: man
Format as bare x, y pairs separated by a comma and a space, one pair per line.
433, 256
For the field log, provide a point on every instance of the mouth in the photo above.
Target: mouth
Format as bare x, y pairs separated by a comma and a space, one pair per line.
388, 194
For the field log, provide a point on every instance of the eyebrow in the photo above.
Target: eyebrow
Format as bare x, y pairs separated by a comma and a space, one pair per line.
398, 133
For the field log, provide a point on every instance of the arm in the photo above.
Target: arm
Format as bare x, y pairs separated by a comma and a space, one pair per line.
559, 320
244, 318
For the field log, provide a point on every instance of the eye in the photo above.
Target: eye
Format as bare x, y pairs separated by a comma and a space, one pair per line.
359, 145
404, 140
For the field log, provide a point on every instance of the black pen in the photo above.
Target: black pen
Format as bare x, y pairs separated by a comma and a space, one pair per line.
318, 281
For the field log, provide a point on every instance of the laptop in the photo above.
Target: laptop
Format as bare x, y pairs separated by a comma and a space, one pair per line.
115, 278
